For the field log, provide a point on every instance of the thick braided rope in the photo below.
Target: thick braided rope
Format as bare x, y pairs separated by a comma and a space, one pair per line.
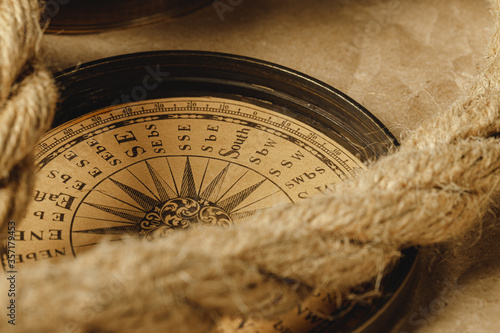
27, 102
439, 184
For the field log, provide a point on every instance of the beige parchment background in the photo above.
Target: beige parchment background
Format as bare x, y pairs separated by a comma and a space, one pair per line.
404, 60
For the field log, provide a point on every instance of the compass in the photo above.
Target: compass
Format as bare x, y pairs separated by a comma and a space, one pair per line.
148, 144
90, 16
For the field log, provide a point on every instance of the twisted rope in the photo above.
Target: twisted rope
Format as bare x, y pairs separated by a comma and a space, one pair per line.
27, 102
436, 187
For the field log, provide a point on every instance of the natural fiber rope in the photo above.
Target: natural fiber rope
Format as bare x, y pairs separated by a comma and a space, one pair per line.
27, 102
439, 184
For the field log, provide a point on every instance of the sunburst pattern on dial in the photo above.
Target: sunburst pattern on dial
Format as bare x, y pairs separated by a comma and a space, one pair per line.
154, 197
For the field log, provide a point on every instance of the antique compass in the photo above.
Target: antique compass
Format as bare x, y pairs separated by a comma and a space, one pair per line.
150, 143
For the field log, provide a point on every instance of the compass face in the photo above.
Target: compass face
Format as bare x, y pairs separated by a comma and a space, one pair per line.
147, 169
217, 140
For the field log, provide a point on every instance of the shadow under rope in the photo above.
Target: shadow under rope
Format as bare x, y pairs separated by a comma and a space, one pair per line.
449, 271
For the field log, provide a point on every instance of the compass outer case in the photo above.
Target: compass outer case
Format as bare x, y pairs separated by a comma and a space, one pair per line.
112, 81
90, 16
192, 73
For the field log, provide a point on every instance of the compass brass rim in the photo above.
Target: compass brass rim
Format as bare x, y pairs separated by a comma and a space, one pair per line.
96, 85
200, 73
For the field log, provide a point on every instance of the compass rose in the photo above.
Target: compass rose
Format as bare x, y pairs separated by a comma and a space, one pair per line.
157, 196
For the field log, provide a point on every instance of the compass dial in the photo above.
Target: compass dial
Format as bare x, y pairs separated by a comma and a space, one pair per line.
146, 169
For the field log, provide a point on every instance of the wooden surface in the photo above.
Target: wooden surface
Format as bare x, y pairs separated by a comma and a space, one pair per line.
404, 60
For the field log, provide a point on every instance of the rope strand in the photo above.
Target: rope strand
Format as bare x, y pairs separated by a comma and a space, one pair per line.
27, 102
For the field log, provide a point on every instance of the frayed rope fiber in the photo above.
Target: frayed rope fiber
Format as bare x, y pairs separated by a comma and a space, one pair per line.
27, 102
439, 184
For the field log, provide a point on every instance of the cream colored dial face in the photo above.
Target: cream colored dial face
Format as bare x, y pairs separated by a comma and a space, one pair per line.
148, 168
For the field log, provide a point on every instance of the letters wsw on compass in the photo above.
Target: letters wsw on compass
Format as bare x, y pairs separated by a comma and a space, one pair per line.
147, 144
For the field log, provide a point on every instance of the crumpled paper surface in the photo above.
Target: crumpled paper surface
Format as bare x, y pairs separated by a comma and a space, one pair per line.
404, 60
